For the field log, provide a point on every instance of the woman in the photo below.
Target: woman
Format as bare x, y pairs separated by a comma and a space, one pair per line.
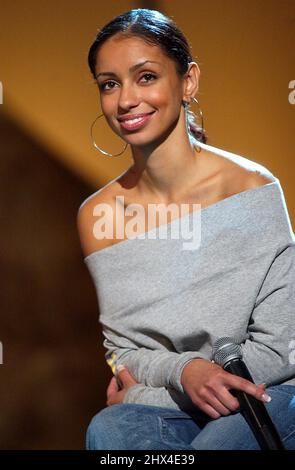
163, 305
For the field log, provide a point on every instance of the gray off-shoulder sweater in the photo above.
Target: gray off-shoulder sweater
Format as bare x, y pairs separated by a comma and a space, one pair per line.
164, 301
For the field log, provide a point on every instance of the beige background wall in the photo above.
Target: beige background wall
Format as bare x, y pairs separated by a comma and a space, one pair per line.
244, 49
54, 376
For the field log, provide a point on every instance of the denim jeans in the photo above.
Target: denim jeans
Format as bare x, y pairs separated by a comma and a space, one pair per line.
129, 426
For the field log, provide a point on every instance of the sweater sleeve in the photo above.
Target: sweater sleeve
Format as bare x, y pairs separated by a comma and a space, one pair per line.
151, 368
271, 330
161, 396
142, 394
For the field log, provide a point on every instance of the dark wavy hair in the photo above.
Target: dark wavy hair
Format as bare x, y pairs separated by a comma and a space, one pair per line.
157, 29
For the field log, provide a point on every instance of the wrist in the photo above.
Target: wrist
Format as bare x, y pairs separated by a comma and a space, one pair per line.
174, 378
186, 369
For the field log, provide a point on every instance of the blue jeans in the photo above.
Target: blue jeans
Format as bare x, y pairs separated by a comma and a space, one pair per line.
134, 426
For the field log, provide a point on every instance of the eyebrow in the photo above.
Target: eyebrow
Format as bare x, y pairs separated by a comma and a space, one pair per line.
131, 69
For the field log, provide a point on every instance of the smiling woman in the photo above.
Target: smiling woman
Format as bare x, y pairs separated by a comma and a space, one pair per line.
151, 66
147, 92
162, 307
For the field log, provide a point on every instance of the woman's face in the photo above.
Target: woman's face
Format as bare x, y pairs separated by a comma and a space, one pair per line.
126, 89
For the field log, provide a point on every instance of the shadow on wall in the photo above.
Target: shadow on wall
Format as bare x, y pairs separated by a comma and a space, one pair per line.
54, 375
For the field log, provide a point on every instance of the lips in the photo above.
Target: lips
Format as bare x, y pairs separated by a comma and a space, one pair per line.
136, 121
128, 117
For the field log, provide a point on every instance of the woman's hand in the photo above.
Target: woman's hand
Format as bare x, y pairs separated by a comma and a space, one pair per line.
119, 385
208, 386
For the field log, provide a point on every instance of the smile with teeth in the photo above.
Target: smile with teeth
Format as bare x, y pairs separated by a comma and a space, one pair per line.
131, 121
136, 122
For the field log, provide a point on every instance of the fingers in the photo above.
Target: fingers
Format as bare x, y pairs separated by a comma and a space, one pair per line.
213, 405
209, 410
219, 406
257, 391
113, 387
124, 376
220, 402
229, 401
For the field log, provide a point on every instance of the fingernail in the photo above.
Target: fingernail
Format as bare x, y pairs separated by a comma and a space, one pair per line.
120, 367
266, 397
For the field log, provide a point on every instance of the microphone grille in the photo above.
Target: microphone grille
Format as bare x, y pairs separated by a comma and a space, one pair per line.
226, 349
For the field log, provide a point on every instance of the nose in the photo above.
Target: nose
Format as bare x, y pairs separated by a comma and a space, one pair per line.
128, 97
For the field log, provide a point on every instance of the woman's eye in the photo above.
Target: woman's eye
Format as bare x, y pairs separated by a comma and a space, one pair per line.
104, 85
149, 75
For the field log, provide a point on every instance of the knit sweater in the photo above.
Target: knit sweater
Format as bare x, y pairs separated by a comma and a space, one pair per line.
163, 302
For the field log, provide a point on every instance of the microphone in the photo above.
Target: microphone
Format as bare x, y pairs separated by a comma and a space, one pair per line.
228, 354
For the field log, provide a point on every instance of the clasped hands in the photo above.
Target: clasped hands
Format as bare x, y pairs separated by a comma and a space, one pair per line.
207, 384
119, 385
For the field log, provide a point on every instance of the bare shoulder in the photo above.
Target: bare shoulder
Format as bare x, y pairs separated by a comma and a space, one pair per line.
260, 177
241, 173
101, 202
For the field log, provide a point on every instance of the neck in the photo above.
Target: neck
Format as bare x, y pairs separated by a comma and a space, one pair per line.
167, 170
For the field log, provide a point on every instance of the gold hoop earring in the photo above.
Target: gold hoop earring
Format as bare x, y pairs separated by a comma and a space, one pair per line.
98, 148
186, 106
